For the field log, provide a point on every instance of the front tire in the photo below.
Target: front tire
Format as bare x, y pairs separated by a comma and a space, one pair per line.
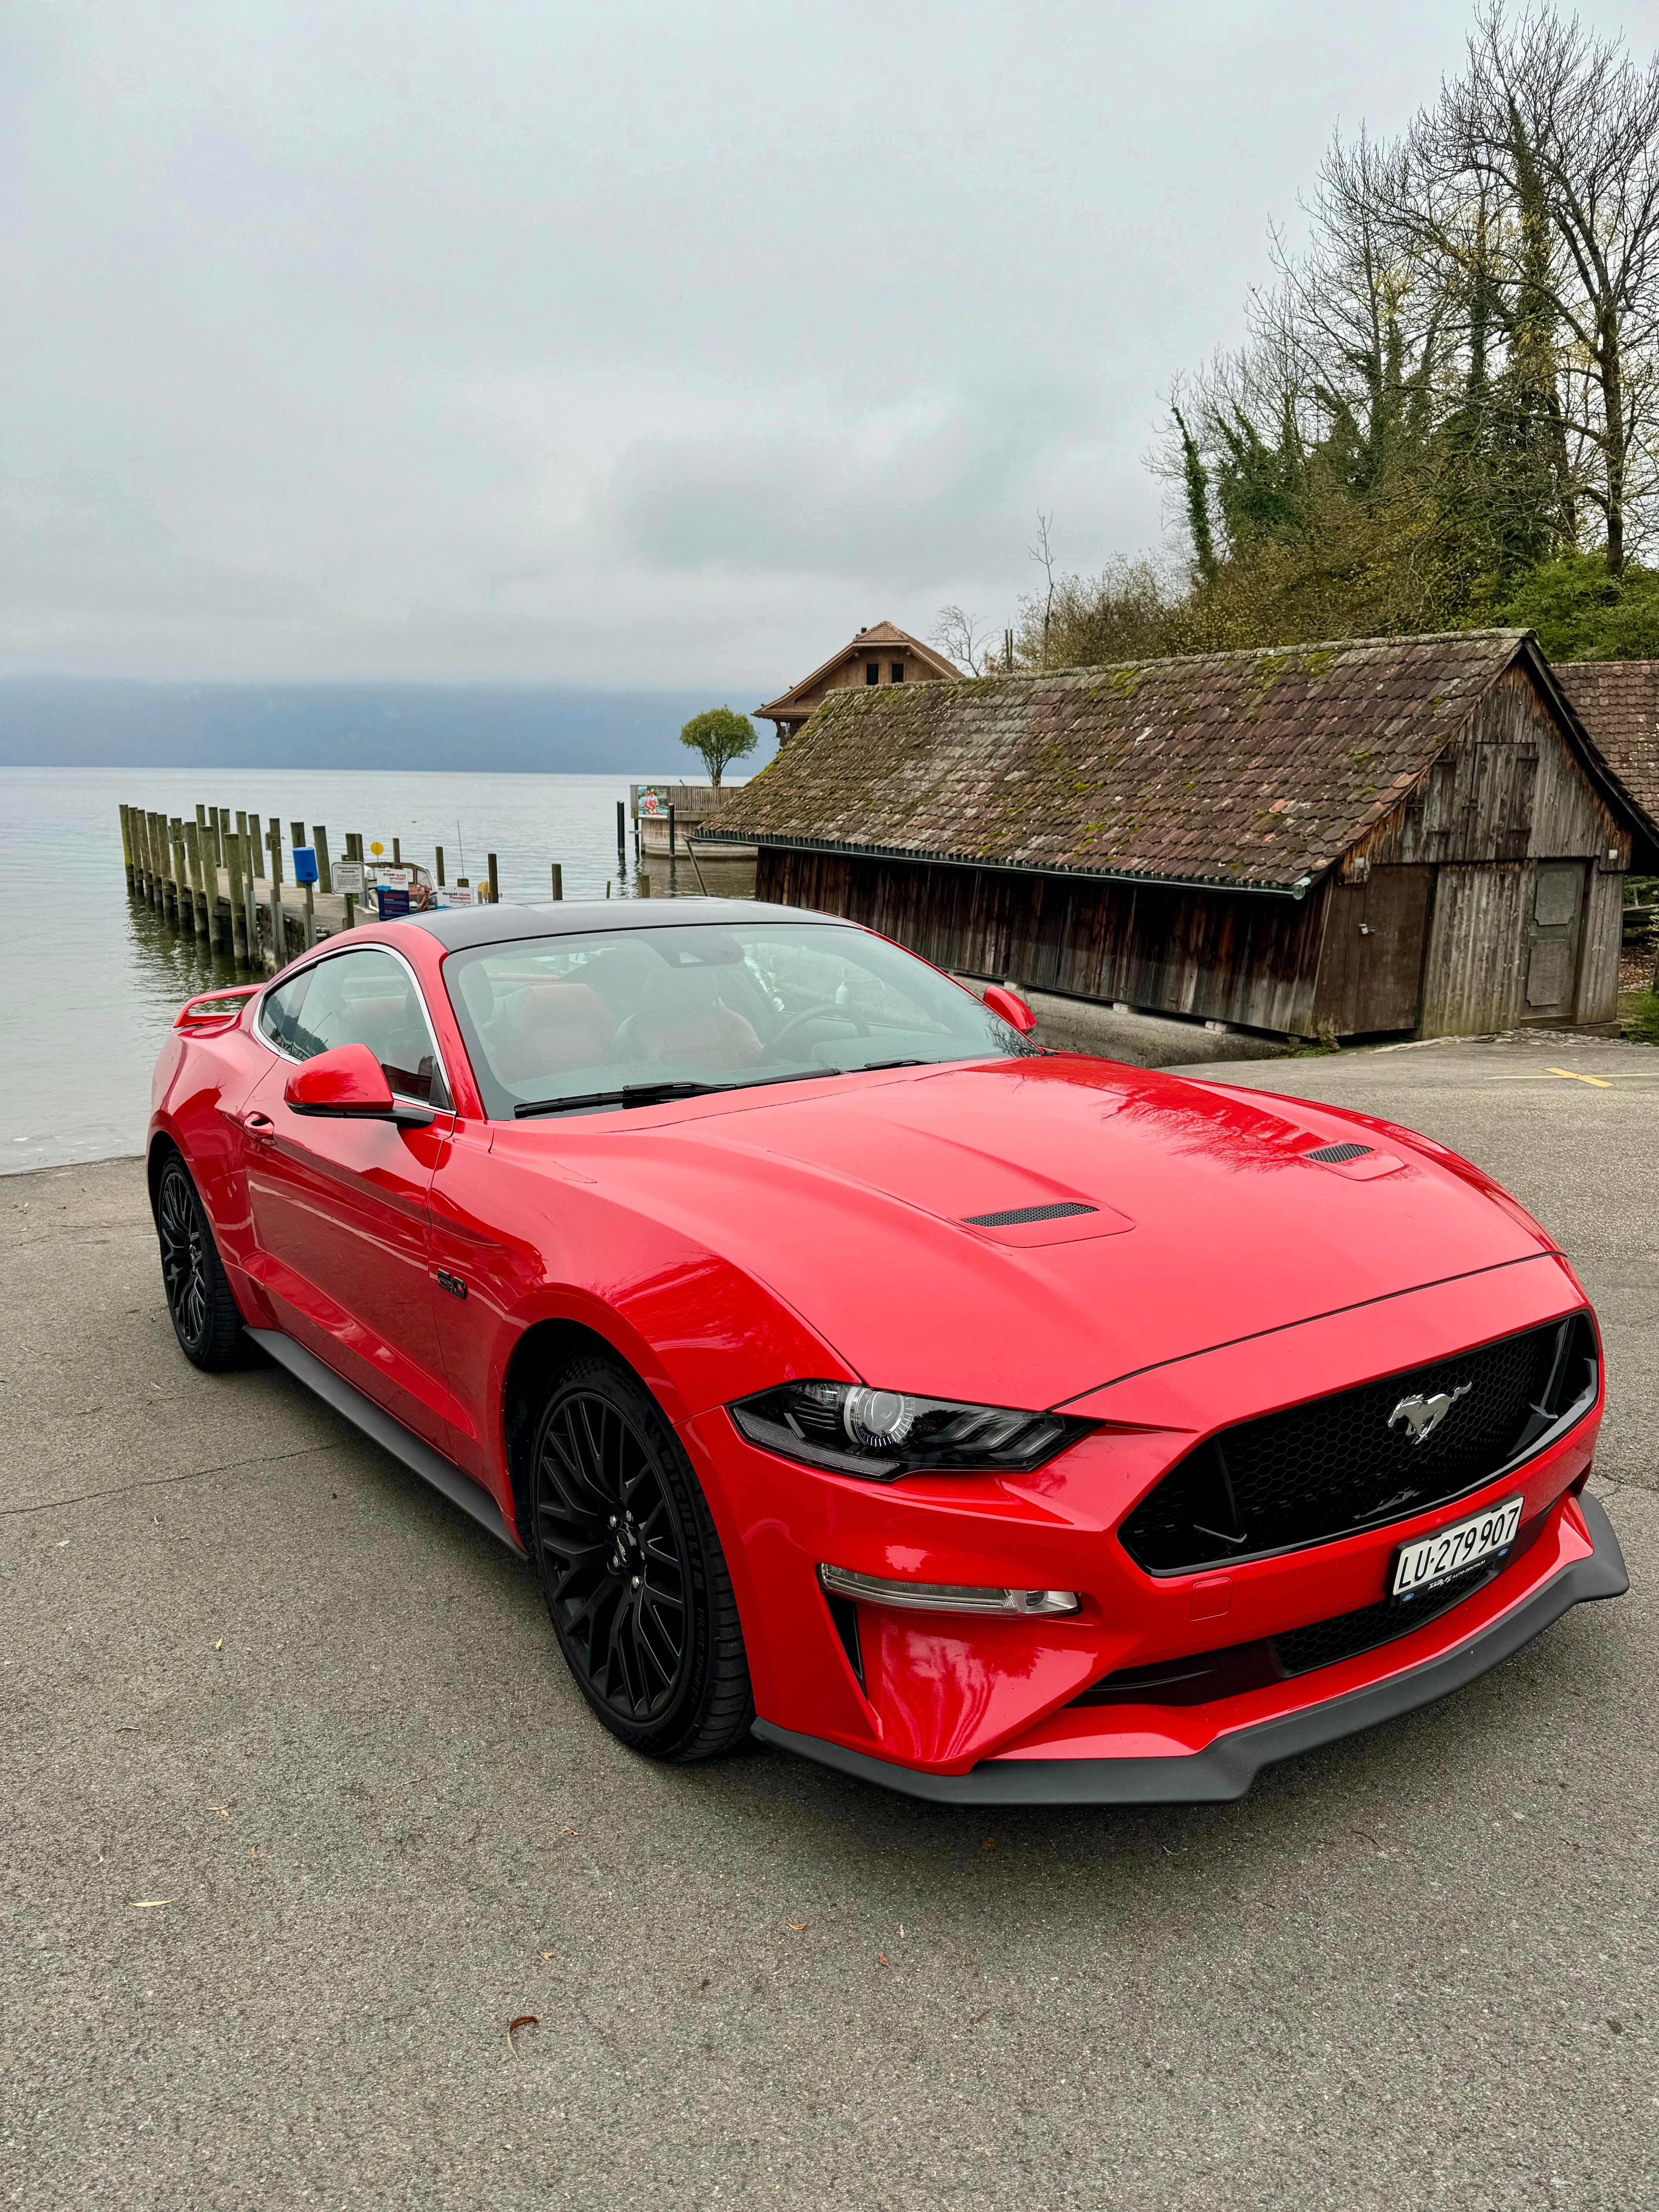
632, 1569
199, 1302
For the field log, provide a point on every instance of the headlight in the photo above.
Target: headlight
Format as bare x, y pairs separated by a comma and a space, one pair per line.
883, 1434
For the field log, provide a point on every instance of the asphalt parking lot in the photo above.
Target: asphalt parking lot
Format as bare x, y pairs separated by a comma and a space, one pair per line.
300, 1812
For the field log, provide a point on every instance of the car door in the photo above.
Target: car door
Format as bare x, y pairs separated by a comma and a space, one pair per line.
339, 1206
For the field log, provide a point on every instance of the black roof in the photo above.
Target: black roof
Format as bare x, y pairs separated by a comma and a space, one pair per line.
460, 926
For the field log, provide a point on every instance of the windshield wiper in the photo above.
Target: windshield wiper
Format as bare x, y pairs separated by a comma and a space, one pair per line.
656, 1094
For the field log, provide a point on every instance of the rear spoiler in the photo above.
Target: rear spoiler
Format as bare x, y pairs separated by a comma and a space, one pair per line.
210, 1014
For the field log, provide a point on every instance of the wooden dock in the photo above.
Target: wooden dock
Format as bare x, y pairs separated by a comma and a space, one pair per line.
229, 879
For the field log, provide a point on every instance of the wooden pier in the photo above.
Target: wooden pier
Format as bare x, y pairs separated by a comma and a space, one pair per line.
226, 877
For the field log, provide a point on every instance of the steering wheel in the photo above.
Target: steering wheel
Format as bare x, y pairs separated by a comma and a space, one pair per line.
850, 1015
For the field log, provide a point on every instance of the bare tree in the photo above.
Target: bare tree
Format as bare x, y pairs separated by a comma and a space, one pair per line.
962, 637
1044, 554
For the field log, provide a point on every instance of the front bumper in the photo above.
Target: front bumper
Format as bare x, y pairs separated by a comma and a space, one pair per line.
1225, 1768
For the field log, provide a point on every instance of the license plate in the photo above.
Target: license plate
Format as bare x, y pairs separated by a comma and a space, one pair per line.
1421, 1565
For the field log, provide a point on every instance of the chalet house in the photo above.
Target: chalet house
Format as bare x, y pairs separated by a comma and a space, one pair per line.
881, 654
1404, 837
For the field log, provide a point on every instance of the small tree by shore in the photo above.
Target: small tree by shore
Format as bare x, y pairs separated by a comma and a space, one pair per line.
720, 736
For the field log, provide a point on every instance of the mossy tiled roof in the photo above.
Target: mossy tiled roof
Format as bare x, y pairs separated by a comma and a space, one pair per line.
1252, 769
1618, 703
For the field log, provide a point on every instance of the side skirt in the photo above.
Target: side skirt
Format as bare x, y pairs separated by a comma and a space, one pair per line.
1231, 1764
391, 1435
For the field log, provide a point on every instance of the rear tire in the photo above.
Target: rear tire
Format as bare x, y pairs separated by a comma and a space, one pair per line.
199, 1302
632, 1569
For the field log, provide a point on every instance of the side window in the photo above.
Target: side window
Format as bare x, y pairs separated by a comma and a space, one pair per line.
359, 997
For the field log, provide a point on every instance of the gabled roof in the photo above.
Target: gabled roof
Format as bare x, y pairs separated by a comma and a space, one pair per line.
1255, 769
880, 636
1618, 703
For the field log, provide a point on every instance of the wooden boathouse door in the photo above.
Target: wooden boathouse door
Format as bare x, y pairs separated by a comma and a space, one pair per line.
1371, 970
1553, 933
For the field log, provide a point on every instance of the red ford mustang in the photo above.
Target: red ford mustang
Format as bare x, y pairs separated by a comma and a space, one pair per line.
1004, 1426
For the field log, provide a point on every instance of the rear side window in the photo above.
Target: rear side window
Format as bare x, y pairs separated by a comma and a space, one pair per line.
359, 997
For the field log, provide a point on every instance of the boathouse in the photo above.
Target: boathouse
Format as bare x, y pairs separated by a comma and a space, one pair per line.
882, 654
1403, 837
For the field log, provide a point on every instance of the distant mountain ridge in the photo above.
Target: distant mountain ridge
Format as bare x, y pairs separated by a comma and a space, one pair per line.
70, 722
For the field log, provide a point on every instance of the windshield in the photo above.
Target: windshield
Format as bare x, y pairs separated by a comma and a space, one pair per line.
705, 1006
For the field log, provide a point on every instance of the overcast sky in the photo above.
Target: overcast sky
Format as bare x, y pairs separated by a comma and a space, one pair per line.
626, 344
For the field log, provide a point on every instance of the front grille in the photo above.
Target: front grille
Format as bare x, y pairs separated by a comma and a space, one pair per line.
1238, 1667
1362, 1458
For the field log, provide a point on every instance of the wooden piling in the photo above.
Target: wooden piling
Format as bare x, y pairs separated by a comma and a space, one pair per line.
184, 897
234, 844
146, 859
438, 855
397, 853
325, 868
278, 931
126, 845
495, 881
198, 895
255, 857
558, 880
220, 831
152, 869
158, 862
645, 884
622, 831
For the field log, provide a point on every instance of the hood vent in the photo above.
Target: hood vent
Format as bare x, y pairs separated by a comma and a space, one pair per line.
1017, 1216
1332, 1156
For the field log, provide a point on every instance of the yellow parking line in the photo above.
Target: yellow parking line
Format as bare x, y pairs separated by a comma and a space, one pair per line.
1572, 1075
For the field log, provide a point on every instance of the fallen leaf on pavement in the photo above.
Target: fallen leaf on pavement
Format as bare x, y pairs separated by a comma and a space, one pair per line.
882, 1959
220, 1645
572, 1831
796, 1924
223, 1811
143, 1904
524, 2020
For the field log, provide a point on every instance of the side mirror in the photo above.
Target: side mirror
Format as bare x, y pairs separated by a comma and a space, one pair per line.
1009, 1009
350, 1083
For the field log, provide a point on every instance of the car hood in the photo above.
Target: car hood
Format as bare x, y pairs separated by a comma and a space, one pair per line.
863, 1204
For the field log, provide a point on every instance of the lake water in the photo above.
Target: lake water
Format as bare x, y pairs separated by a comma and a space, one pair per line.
90, 979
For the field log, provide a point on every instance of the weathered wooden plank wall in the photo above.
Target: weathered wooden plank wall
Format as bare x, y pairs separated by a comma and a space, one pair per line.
1215, 955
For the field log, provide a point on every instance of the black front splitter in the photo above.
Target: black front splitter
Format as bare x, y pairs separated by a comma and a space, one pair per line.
1231, 1765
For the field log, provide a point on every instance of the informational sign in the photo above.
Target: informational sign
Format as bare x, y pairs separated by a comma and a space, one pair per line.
653, 801
399, 879
456, 895
394, 899
349, 877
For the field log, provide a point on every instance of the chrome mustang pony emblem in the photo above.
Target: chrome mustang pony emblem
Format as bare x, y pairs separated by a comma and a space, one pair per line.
1423, 1416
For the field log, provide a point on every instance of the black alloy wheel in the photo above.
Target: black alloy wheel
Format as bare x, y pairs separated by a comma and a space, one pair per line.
199, 1302
632, 1568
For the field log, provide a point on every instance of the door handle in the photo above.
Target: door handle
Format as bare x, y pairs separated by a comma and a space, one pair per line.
257, 1125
